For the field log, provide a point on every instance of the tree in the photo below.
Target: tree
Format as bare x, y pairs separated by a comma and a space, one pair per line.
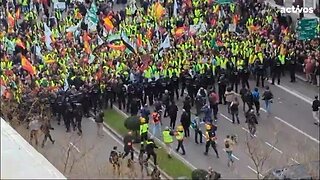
133, 123
257, 153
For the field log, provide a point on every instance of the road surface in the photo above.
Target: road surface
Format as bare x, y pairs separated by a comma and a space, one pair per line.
289, 132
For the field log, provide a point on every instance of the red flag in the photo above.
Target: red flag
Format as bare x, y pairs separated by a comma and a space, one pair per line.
120, 47
10, 20
159, 10
108, 23
139, 40
86, 37
179, 31
149, 34
18, 13
26, 65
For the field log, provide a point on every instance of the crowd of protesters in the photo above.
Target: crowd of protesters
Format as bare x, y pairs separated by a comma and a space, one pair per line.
148, 54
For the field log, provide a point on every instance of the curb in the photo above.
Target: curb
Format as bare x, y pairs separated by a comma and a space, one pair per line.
164, 174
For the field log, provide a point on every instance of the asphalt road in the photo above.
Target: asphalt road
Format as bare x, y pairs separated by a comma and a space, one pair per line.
288, 133
89, 153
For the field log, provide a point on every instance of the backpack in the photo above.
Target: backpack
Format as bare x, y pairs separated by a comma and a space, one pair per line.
268, 95
226, 144
255, 96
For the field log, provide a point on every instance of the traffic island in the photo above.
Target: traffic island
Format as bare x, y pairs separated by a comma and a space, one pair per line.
173, 167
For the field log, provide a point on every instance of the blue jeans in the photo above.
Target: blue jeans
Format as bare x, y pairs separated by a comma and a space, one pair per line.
267, 103
229, 154
156, 130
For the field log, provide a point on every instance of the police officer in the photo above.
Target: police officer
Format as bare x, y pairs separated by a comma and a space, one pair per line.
175, 85
122, 96
154, 90
68, 115
210, 140
144, 128
138, 86
60, 106
244, 76
150, 150
222, 87
163, 86
292, 64
86, 102
78, 116
189, 86
130, 92
146, 90
234, 79
179, 137
109, 95
259, 72
95, 96
276, 69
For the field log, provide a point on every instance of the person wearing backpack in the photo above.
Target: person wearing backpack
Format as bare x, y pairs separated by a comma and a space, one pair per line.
255, 98
267, 96
228, 144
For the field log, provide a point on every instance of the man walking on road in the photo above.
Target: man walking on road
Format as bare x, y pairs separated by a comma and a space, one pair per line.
99, 121
315, 110
267, 97
228, 144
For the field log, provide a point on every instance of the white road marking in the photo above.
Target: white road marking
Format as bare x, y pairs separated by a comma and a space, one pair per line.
295, 93
294, 161
255, 171
75, 147
225, 117
248, 131
293, 127
274, 147
262, 109
232, 155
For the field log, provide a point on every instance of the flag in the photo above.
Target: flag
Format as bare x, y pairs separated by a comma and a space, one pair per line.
26, 65
159, 10
139, 40
20, 44
127, 43
99, 74
91, 18
87, 48
108, 23
236, 19
18, 13
175, 9
179, 32
66, 84
149, 34
164, 45
47, 34
10, 19
113, 38
120, 47
216, 9
86, 37
74, 28
100, 41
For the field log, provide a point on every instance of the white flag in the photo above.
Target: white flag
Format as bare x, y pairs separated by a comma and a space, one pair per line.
66, 84
47, 34
166, 43
175, 9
